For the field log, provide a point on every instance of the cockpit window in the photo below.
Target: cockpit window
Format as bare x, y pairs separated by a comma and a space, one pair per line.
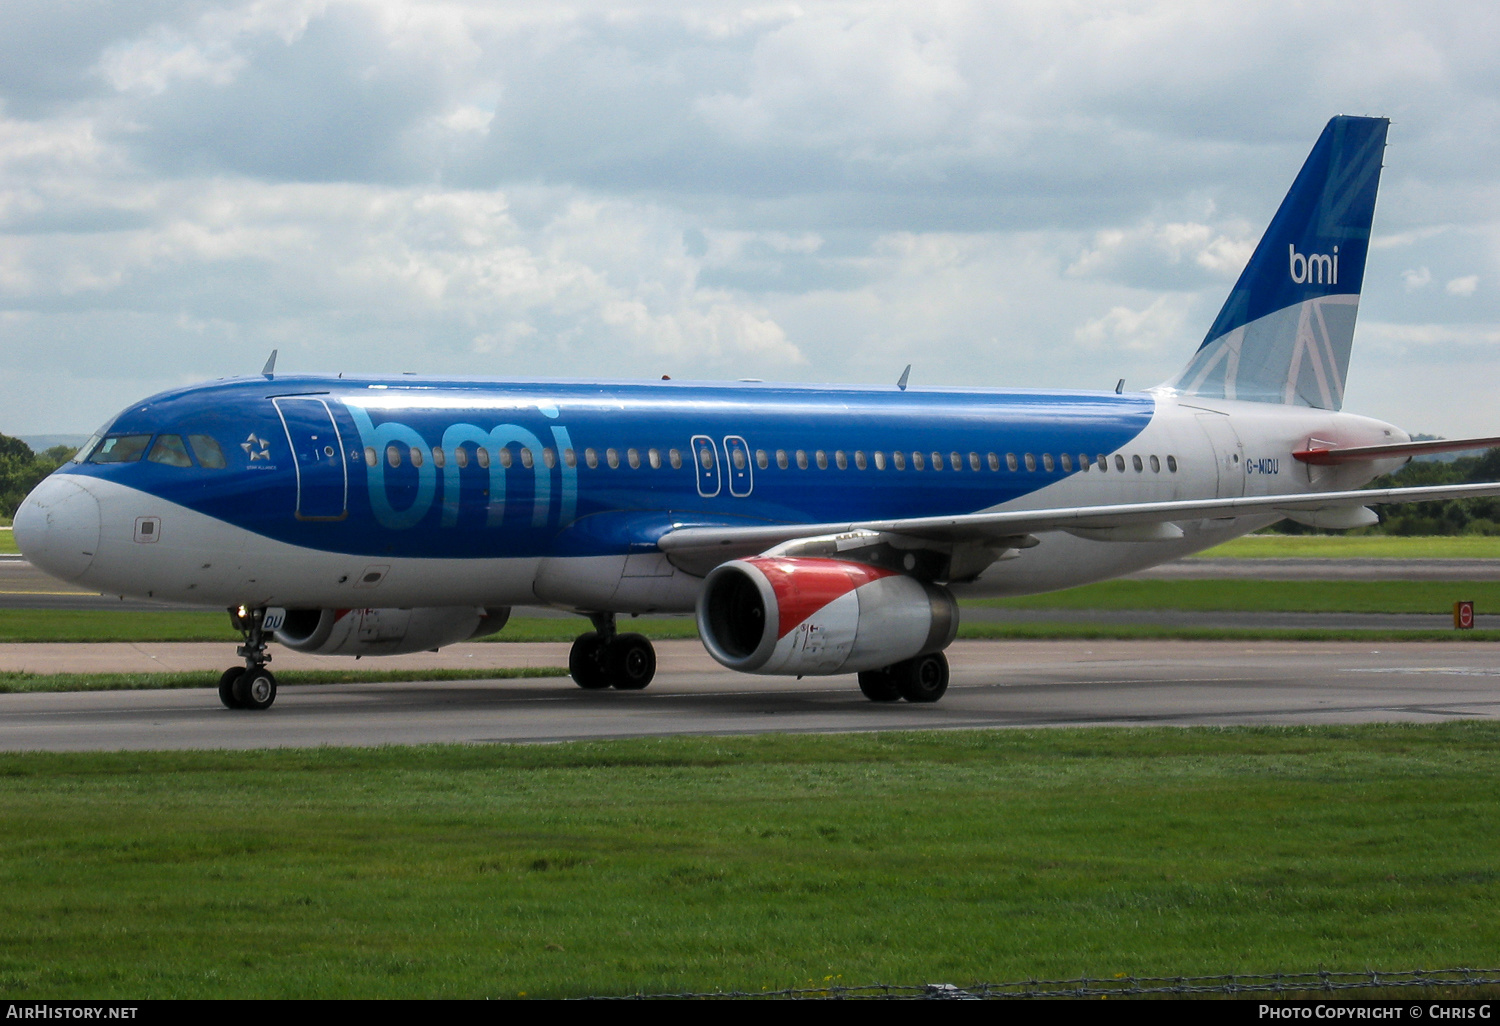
169, 450
210, 456
121, 449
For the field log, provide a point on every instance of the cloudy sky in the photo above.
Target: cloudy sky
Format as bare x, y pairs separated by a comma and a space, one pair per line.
1007, 194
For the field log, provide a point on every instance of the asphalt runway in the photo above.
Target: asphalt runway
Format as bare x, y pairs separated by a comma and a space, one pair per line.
995, 685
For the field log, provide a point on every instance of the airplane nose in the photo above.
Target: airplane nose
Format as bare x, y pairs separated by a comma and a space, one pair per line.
57, 527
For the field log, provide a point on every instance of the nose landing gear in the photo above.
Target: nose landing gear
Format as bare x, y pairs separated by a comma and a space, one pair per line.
254, 686
603, 659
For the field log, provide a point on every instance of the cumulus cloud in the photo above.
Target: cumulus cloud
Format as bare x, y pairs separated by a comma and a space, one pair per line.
1001, 193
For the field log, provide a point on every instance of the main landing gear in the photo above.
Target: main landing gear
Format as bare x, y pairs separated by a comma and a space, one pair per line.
603, 659
253, 687
923, 679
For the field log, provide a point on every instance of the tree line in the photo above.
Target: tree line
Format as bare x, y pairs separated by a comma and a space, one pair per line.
21, 470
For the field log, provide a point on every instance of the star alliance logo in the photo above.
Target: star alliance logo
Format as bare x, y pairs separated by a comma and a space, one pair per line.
256, 448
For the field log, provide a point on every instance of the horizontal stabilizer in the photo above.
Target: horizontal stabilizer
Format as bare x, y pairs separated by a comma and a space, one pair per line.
1332, 456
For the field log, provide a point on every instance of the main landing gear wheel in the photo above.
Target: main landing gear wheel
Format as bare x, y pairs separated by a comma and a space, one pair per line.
631, 661
878, 686
255, 689
603, 659
587, 661
923, 679
226, 687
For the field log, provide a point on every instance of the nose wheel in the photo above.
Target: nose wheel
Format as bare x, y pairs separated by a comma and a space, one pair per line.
251, 687
603, 659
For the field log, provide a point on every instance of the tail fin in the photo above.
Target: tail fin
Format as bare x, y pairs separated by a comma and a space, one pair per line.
1284, 334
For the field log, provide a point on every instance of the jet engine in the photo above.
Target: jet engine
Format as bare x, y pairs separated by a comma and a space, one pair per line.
807, 616
370, 632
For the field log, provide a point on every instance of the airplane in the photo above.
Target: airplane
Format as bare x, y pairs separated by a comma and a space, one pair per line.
813, 529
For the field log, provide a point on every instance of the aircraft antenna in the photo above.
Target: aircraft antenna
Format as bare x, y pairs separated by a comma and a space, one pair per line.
904, 375
1119, 386
269, 370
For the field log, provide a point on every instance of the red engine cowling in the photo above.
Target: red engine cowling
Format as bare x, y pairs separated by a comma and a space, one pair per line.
808, 616
370, 632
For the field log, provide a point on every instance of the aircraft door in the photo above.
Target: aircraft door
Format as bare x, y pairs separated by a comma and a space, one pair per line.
1229, 458
318, 455
706, 460
741, 475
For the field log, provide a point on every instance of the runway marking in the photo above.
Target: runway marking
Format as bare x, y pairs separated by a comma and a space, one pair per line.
88, 593
1456, 671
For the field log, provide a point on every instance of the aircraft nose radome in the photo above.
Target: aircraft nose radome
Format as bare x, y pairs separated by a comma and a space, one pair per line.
57, 527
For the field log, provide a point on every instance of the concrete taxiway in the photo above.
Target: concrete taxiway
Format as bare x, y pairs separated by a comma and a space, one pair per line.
995, 685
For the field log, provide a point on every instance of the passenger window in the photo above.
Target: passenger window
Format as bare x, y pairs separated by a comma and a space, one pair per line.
612, 456
653, 456
675, 457
505, 457
1030, 462
633, 456
393, 455
461, 457
121, 449
761, 459
1067, 463
738, 456
1155, 465
1135, 461
371, 458
1120, 463
439, 459
1172, 464
482, 457
955, 461
416, 457
879, 461
570, 458
549, 457
705, 457
801, 459
170, 451
1047, 462
937, 461
1103, 462
840, 460
859, 460
899, 459
1083, 461
918, 461
208, 452
527, 459
781, 460
1010, 461
994, 459
822, 460
973, 461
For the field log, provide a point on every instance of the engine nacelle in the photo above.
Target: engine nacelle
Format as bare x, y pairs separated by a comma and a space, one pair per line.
370, 632
807, 616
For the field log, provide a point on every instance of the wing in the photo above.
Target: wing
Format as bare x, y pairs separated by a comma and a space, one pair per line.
697, 546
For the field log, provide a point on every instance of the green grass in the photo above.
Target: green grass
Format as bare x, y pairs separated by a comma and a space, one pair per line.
8, 542
1241, 595
1367, 546
15, 683
73, 625
24, 625
747, 863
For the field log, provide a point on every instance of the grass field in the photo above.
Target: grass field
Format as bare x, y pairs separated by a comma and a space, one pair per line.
7, 541
17, 683
747, 863
32, 625
1367, 546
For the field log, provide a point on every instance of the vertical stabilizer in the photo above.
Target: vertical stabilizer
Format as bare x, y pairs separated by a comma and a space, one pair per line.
1285, 332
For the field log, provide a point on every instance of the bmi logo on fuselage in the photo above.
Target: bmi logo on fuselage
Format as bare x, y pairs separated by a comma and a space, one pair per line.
1314, 268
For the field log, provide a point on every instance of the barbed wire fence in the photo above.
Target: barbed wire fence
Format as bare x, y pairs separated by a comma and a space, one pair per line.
1286, 984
